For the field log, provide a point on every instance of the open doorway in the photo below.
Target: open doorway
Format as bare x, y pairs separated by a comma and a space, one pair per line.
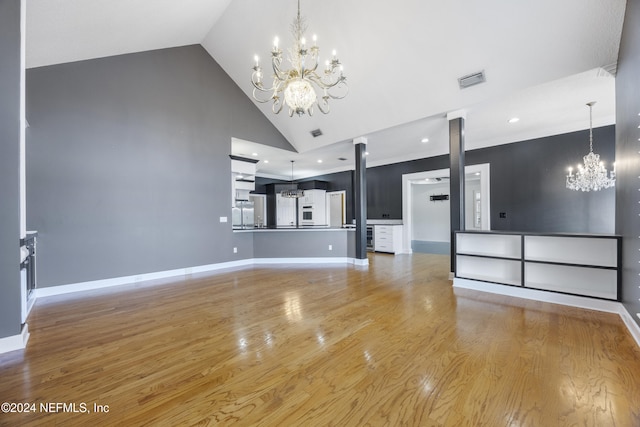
336, 208
425, 207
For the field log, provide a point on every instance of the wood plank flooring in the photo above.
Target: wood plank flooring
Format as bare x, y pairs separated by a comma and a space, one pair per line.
387, 345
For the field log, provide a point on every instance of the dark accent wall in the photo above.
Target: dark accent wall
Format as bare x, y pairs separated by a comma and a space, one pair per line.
628, 164
9, 167
527, 184
384, 185
128, 168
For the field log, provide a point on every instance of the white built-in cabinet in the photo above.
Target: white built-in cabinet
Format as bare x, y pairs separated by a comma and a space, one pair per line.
285, 211
586, 265
387, 238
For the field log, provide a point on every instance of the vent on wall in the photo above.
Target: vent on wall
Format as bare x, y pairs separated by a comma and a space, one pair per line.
316, 133
472, 79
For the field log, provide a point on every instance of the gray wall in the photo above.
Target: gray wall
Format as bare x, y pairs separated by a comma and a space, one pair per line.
9, 167
628, 165
127, 164
304, 243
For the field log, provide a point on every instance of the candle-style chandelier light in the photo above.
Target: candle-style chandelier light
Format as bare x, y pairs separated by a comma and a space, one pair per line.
302, 84
592, 175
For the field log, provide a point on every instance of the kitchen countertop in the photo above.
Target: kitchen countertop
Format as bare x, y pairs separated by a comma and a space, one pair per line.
384, 222
301, 228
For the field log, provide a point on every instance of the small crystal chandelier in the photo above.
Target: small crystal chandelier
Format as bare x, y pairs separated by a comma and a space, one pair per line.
300, 83
592, 176
293, 192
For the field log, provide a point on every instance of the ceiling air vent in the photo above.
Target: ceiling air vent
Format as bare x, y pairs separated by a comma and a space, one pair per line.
472, 79
316, 133
342, 158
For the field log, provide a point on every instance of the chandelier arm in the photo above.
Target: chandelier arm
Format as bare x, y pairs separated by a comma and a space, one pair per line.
313, 69
259, 87
327, 87
260, 99
338, 96
329, 84
277, 72
277, 105
322, 84
325, 101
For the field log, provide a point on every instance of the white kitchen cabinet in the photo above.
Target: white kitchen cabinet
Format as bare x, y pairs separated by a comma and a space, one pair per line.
387, 238
312, 208
285, 211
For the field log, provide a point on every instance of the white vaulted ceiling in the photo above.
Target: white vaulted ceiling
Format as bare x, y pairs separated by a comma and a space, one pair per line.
61, 31
543, 61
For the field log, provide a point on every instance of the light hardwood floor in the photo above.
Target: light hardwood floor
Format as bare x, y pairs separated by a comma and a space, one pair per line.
387, 345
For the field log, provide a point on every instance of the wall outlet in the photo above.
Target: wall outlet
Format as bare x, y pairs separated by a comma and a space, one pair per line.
235, 250
330, 247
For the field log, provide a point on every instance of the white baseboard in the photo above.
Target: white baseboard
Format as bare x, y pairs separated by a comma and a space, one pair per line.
632, 326
360, 262
311, 260
554, 298
15, 342
127, 280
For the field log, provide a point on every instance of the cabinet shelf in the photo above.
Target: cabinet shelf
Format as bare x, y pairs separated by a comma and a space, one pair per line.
585, 265
483, 255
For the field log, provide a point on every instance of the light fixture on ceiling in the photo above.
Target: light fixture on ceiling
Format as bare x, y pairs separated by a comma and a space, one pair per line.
293, 192
592, 176
514, 120
300, 83
424, 140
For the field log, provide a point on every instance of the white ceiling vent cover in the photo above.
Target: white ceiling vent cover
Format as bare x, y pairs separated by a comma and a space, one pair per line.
472, 79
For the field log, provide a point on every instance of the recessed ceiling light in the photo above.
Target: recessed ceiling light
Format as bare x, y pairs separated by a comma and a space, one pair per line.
477, 173
514, 120
424, 140
266, 161
239, 177
319, 160
366, 153
254, 154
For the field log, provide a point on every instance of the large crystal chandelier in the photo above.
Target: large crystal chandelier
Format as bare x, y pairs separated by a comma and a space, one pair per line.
302, 84
592, 176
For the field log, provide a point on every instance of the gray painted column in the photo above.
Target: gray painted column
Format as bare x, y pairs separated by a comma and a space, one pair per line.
456, 184
10, 125
361, 197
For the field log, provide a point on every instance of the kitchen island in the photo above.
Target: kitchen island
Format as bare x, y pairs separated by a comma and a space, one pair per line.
303, 244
